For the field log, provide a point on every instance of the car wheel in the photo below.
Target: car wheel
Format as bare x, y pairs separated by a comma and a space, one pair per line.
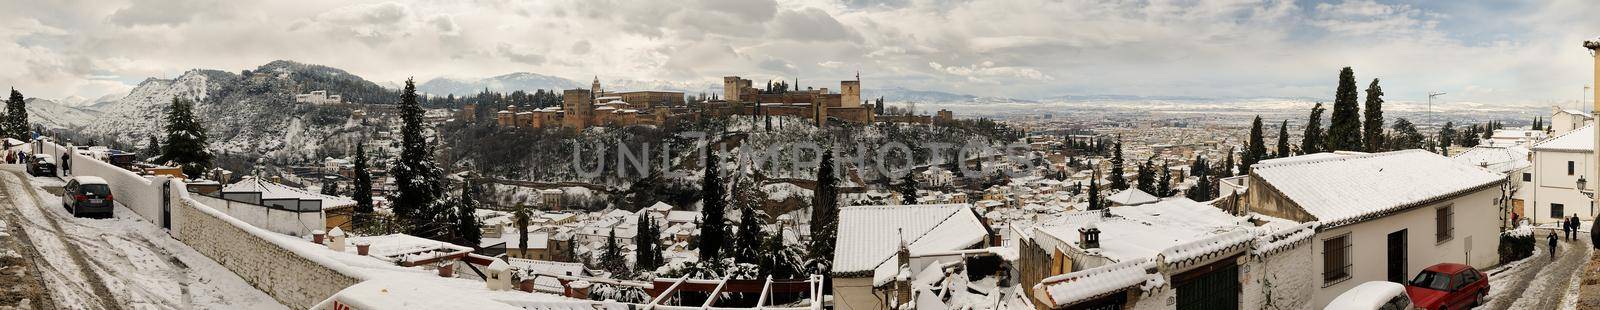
1479, 301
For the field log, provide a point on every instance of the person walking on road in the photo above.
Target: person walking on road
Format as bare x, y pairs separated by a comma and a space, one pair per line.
1552, 239
1566, 228
1575, 224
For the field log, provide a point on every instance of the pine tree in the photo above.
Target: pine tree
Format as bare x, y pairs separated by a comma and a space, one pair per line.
611, 257
749, 238
1447, 134
152, 149
1200, 169
713, 206
363, 184
1164, 187
1118, 181
824, 217
467, 230
16, 118
1145, 180
417, 181
1228, 167
1405, 136
1344, 127
186, 140
1372, 126
1256, 150
908, 189
1283, 141
1312, 140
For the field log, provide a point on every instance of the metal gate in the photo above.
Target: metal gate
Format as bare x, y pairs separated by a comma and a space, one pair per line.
1215, 286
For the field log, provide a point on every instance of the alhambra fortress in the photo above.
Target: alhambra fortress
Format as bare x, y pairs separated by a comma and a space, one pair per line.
596, 107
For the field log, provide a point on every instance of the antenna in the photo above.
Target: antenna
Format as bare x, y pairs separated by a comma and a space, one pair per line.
1430, 101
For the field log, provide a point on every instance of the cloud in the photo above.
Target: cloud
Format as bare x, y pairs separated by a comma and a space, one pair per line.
519, 54
160, 12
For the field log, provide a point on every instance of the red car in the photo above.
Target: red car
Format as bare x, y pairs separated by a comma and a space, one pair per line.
1448, 286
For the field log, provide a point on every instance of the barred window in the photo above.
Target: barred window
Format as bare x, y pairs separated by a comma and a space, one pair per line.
1444, 223
1335, 260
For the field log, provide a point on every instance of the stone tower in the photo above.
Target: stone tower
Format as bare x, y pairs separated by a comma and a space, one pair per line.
576, 105
730, 88
595, 88
850, 92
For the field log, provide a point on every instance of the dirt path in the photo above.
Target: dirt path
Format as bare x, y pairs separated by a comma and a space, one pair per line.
1539, 282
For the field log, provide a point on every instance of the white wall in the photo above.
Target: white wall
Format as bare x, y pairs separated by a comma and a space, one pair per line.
1476, 218
141, 194
274, 220
1285, 274
1553, 185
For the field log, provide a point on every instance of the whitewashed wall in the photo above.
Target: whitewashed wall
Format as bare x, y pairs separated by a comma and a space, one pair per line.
1284, 275
1551, 184
141, 194
274, 220
1477, 219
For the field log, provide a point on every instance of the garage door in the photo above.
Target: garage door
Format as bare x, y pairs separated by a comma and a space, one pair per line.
1211, 287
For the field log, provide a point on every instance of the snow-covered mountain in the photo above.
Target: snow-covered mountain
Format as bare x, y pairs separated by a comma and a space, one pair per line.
53, 114
523, 81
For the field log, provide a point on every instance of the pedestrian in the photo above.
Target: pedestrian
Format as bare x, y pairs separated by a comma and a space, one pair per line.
1566, 228
1575, 226
1552, 239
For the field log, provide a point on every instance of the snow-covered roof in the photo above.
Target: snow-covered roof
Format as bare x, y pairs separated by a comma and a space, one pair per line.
1353, 188
1132, 196
1141, 231
867, 234
1500, 159
1067, 289
682, 216
536, 239
271, 190
1577, 140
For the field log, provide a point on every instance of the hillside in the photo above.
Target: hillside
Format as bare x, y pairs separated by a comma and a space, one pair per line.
504, 83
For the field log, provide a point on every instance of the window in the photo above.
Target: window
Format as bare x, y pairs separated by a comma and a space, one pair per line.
1527, 177
1443, 219
1569, 167
1335, 260
1556, 210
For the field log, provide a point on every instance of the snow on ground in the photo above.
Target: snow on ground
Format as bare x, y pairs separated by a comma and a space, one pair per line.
138, 264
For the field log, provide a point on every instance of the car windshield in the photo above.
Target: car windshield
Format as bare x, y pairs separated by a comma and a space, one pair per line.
97, 190
1432, 280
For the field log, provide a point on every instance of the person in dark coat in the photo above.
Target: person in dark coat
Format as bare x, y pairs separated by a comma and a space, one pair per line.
1566, 228
1575, 223
1552, 239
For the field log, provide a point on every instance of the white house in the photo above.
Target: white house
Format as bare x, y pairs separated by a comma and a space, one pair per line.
1383, 216
869, 238
1520, 137
1508, 159
1563, 120
1557, 165
318, 97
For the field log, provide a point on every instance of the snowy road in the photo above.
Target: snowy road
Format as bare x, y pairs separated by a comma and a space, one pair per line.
1539, 282
118, 263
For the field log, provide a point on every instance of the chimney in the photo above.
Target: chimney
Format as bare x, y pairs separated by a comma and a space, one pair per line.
1089, 237
578, 289
317, 236
336, 240
902, 290
362, 247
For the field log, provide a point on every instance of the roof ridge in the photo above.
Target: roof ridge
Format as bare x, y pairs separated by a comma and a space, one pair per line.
1564, 134
1339, 158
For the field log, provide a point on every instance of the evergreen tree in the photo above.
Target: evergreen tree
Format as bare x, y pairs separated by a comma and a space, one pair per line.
1283, 141
467, 230
363, 184
1256, 150
1405, 136
713, 206
418, 188
1200, 169
908, 189
611, 257
1164, 187
523, 217
1447, 134
152, 149
1311, 141
16, 118
749, 238
1117, 179
645, 244
1344, 127
1094, 192
1538, 124
1372, 126
186, 140
1146, 178
1228, 168
824, 216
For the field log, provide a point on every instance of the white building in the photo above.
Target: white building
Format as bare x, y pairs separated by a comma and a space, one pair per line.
1514, 161
318, 97
869, 238
1520, 137
1557, 165
1563, 120
1383, 216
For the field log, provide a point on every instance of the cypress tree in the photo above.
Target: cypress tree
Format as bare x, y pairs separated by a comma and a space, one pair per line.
1344, 127
1094, 192
1447, 134
417, 181
1118, 181
713, 205
611, 257
1283, 140
186, 140
908, 189
1311, 141
16, 118
1538, 124
1228, 167
522, 217
1256, 150
824, 216
363, 183
1372, 126
749, 238
645, 250
1164, 187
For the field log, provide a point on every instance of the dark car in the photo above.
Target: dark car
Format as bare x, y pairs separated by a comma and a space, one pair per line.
42, 165
87, 196
1448, 286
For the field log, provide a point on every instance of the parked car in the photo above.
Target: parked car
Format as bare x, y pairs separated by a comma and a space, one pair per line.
1448, 286
1375, 295
42, 165
87, 196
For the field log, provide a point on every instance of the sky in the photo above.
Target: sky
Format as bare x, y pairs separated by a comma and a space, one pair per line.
1492, 52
